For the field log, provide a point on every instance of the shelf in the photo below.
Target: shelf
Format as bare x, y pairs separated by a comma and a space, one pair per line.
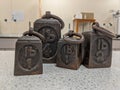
76, 22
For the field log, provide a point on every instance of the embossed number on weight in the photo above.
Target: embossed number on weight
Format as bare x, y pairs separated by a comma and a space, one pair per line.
102, 46
47, 51
29, 53
49, 33
28, 57
67, 53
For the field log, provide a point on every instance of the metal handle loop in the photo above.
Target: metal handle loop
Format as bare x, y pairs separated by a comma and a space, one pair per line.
69, 36
48, 15
96, 27
31, 32
117, 36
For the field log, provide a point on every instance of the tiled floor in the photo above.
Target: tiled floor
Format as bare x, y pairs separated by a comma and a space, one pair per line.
55, 78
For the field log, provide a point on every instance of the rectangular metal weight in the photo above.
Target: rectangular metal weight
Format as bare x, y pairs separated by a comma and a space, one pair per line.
28, 57
49, 28
96, 50
69, 55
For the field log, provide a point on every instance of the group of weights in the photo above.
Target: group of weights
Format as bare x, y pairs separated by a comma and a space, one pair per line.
43, 44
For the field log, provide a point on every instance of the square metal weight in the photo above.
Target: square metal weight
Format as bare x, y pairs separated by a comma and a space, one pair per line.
28, 56
96, 50
69, 55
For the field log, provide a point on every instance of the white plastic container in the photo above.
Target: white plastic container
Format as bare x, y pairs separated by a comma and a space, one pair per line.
78, 16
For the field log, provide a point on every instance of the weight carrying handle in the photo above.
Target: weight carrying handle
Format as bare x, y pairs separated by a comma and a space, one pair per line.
96, 27
67, 38
117, 36
31, 32
48, 15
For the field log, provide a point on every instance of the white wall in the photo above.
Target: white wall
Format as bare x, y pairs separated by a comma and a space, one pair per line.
67, 8
63, 8
29, 8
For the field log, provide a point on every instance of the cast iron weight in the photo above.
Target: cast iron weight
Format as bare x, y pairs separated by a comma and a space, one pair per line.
97, 47
69, 50
50, 27
28, 54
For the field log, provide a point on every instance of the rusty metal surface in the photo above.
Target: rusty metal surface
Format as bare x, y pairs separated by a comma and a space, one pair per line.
28, 54
50, 27
97, 48
69, 52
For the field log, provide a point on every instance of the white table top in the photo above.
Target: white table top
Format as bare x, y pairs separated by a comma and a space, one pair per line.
10, 35
55, 78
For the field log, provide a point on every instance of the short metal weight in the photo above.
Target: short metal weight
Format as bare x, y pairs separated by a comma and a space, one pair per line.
97, 47
28, 54
69, 51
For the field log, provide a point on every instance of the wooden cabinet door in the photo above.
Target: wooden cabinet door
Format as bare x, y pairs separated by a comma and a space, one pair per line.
5, 10
30, 10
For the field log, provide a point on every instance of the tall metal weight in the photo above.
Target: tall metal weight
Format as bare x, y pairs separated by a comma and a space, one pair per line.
28, 54
97, 47
69, 51
50, 27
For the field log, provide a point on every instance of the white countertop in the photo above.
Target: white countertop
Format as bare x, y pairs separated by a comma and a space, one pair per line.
10, 35
55, 78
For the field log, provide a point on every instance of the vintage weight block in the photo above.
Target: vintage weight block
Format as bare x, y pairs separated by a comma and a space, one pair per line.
50, 27
28, 54
69, 51
97, 47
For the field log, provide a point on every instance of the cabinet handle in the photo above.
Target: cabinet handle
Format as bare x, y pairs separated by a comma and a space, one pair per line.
14, 20
5, 20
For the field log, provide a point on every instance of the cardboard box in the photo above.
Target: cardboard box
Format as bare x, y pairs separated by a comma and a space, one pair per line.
87, 15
